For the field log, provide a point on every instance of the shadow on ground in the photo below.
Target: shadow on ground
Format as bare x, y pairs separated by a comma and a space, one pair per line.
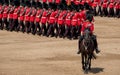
96, 70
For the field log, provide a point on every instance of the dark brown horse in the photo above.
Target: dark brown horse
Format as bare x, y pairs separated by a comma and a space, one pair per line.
86, 48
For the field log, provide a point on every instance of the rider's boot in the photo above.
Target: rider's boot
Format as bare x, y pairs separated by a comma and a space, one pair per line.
81, 38
96, 45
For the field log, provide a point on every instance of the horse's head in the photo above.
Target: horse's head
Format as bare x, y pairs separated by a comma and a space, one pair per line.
87, 34
87, 37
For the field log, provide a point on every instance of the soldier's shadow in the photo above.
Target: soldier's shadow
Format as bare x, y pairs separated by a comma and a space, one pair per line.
96, 70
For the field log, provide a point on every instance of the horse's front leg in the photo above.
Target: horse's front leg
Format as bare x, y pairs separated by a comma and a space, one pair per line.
90, 62
83, 67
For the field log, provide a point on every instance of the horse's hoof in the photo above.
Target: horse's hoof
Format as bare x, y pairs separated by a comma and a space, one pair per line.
83, 68
89, 68
78, 52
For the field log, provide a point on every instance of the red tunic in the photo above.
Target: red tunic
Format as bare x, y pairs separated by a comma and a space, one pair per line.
75, 19
52, 17
22, 14
11, 13
56, 17
37, 18
77, 2
50, 1
68, 19
119, 6
32, 16
5, 13
1, 15
57, 1
61, 18
15, 14
87, 24
95, 3
79, 19
89, 2
44, 1
82, 2
27, 15
104, 5
111, 5
44, 17
112, 0
83, 15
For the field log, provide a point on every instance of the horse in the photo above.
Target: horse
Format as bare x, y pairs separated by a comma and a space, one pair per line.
86, 47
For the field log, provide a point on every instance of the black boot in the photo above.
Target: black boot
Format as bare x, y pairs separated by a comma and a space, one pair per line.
96, 44
80, 40
97, 50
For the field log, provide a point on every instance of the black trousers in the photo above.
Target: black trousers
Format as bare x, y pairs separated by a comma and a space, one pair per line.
10, 23
61, 30
32, 28
5, 22
21, 26
68, 32
1, 27
50, 30
27, 24
117, 12
37, 28
44, 29
100, 11
111, 12
14, 26
79, 30
74, 32
55, 26
105, 12
94, 11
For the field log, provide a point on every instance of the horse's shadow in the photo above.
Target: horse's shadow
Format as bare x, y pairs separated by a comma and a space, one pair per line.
96, 70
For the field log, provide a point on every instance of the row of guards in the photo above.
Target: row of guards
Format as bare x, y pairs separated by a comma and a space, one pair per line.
42, 21
109, 8
33, 17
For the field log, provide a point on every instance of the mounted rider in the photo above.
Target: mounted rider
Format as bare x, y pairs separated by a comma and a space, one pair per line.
88, 24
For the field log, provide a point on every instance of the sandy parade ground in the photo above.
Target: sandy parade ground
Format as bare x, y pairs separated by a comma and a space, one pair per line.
26, 54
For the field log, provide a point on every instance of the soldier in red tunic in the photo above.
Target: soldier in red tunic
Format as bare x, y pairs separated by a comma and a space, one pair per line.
27, 16
111, 8
74, 23
1, 15
117, 8
94, 6
15, 25
10, 15
37, 20
104, 7
61, 24
52, 23
21, 25
68, 24
5, 16
32, 18
44, 21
